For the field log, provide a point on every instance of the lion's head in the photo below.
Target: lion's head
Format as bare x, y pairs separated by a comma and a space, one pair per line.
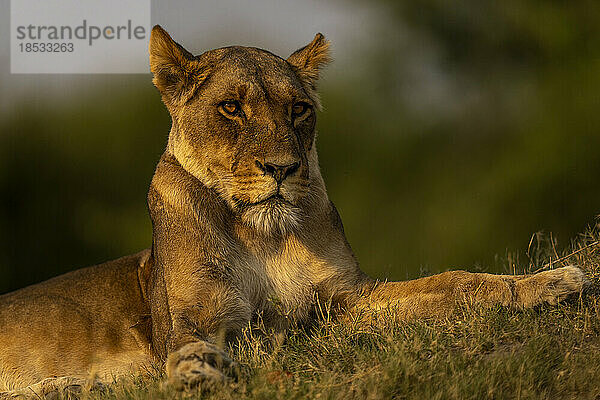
243, 123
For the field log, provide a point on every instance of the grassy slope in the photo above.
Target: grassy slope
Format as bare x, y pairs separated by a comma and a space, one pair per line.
551, 352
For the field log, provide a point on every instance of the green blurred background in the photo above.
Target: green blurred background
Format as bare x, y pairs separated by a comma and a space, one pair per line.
452, 132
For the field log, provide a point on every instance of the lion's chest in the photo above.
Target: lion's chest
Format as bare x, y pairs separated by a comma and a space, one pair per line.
280, 286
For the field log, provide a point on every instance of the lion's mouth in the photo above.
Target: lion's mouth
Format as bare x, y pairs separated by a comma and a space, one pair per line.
275, 198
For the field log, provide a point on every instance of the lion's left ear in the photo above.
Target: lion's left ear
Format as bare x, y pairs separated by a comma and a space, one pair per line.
308, 61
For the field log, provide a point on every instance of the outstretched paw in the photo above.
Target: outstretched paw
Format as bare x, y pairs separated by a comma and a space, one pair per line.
198, 364
551, 286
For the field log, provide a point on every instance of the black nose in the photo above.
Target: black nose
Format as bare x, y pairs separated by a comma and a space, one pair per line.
278, 172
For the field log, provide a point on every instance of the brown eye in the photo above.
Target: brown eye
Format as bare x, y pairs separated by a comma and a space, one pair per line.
299, 109
231, 107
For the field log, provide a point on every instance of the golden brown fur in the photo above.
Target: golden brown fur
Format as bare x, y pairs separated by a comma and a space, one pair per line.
242, 228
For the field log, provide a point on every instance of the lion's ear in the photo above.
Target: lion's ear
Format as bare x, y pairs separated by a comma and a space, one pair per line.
308, 61
177, 73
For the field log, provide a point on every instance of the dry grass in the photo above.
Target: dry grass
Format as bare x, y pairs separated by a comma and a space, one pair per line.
546, 353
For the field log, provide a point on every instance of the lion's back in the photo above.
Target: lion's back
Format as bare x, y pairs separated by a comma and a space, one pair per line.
68, 321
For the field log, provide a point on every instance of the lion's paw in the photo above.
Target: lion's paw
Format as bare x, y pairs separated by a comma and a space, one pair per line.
551, 286
197, 364
63, 387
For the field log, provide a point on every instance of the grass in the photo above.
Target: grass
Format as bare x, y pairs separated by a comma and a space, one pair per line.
544, 353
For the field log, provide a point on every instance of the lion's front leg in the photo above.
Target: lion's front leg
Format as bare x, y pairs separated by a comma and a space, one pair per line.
197, 363
549, 286
438, 295
198, 360
195, 347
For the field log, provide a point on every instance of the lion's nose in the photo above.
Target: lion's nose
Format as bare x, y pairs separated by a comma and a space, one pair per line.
278, 172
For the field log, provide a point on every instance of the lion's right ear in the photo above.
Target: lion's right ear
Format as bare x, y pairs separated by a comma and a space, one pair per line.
177, 73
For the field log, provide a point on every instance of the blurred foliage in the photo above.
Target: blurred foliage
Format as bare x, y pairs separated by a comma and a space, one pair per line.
74, 180
505, 145
510, 149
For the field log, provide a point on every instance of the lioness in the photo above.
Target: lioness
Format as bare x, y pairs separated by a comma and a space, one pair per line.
242, 227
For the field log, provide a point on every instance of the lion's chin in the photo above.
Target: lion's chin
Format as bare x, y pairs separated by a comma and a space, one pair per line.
272, 217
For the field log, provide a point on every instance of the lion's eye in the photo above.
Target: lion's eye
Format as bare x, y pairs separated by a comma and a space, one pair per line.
299, 109
230, 107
